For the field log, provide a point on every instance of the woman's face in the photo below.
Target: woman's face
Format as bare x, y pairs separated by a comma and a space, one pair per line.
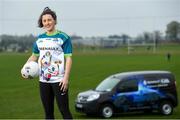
48, 23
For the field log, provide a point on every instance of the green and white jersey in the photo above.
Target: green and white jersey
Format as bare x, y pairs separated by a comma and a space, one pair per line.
52, 49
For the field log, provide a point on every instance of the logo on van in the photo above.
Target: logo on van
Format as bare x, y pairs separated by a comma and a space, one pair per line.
157, 83
165, 80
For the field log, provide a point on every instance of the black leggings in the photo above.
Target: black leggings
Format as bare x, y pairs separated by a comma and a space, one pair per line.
47, 92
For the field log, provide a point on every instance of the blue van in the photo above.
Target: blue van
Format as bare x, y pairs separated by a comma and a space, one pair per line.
130, 91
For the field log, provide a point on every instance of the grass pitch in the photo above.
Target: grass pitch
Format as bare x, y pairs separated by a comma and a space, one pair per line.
20, 98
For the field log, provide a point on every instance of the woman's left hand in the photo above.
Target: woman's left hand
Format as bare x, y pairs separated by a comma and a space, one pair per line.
63, 84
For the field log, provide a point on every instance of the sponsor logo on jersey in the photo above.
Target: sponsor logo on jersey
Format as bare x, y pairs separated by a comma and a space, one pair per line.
49, 48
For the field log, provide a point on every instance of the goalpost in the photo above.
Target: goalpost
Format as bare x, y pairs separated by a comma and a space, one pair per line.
147, 47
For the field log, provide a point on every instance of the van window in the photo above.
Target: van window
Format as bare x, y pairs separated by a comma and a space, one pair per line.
128, 86
107, 84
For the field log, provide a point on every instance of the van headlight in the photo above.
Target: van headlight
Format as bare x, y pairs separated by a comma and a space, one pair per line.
93, 97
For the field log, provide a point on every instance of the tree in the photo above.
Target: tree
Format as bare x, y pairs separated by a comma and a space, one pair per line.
148, 37
139, 39
157, 37
125, 38
114, 36
16, 43
173, 31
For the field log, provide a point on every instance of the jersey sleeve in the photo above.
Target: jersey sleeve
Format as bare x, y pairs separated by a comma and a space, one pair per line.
67, 47
35, 49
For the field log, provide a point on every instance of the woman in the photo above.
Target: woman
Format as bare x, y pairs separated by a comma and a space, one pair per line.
53, 51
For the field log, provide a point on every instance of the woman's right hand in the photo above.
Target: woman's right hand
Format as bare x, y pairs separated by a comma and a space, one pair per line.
25, 77
31, 58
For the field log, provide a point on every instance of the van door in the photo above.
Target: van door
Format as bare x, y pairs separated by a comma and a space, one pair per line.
151, 90
126, 92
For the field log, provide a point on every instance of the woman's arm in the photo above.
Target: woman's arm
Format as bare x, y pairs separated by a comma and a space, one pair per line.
31, 58
64, 82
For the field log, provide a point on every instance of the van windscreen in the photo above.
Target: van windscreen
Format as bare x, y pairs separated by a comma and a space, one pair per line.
108, 84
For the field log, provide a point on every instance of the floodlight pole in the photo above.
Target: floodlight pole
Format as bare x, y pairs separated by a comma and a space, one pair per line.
128, 46
154, 44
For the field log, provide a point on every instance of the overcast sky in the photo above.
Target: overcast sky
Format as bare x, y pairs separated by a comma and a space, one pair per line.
90, 17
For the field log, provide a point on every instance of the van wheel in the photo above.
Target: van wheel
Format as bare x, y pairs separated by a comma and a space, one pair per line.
107, 111
166, 108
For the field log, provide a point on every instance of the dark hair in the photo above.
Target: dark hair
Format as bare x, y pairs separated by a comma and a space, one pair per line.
46, 10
